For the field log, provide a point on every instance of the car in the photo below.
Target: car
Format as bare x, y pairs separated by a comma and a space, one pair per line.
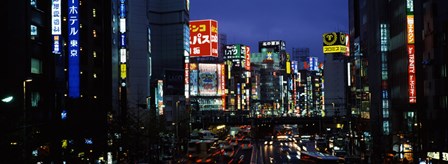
269, 140
234, 142
285, 149
229, 151
207, 159
246, 144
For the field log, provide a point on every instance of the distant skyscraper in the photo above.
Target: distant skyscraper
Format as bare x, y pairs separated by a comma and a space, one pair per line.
300, 54
169, 50
168, 22
335, 85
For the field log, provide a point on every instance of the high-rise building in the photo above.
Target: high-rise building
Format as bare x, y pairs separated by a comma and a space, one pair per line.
65, 74
168, 22
359, 92
309, 89
335, 83
28, 109
300, 54
434, 107
169, 57
405, 52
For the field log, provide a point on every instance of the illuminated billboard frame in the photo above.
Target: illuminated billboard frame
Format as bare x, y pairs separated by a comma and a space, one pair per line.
203, 38
208, 79
334, 42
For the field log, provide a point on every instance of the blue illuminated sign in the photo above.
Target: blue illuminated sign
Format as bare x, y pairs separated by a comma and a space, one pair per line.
63, 115
122, 10
313, 63
187, 38
88, 141
294, 65
123, 40
73, 49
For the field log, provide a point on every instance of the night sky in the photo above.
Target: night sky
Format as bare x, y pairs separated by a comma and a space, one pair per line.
300, 23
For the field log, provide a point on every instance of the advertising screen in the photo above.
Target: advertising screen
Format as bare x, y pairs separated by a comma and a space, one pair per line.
194, 89
208, 79
159, 97
204, 38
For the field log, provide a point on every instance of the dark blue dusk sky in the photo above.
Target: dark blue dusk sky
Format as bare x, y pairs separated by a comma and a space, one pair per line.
300, 23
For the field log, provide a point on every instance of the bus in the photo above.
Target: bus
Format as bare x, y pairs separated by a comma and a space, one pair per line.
319, 158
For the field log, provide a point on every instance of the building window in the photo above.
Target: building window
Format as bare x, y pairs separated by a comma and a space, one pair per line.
35, 98
94, 54
444, 102
385, 108
386, 128
36, 66
409, 117
33, 32
33, 3
443, 71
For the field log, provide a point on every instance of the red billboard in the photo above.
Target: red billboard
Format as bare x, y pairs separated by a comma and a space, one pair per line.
411, 73
204, 38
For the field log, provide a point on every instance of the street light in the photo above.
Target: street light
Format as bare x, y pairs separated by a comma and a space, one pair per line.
24, 118
7, 99
177, 124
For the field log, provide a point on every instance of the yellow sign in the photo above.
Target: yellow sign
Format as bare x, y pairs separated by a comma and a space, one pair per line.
334, 49
123, 71
410, 29
334, 38
288, 67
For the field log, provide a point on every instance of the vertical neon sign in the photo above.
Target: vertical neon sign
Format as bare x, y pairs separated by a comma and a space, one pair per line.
411, 52
73, 49
56, 25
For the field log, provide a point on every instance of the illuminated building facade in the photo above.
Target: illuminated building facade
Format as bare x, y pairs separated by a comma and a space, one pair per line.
406, 62
238, 65
69, 102
266, 78
309, 90
359, 97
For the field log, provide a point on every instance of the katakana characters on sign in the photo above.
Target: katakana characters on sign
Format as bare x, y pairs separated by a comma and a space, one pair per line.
203, 38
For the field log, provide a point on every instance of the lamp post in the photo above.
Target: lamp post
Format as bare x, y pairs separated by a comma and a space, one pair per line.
24, 119
177, 124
